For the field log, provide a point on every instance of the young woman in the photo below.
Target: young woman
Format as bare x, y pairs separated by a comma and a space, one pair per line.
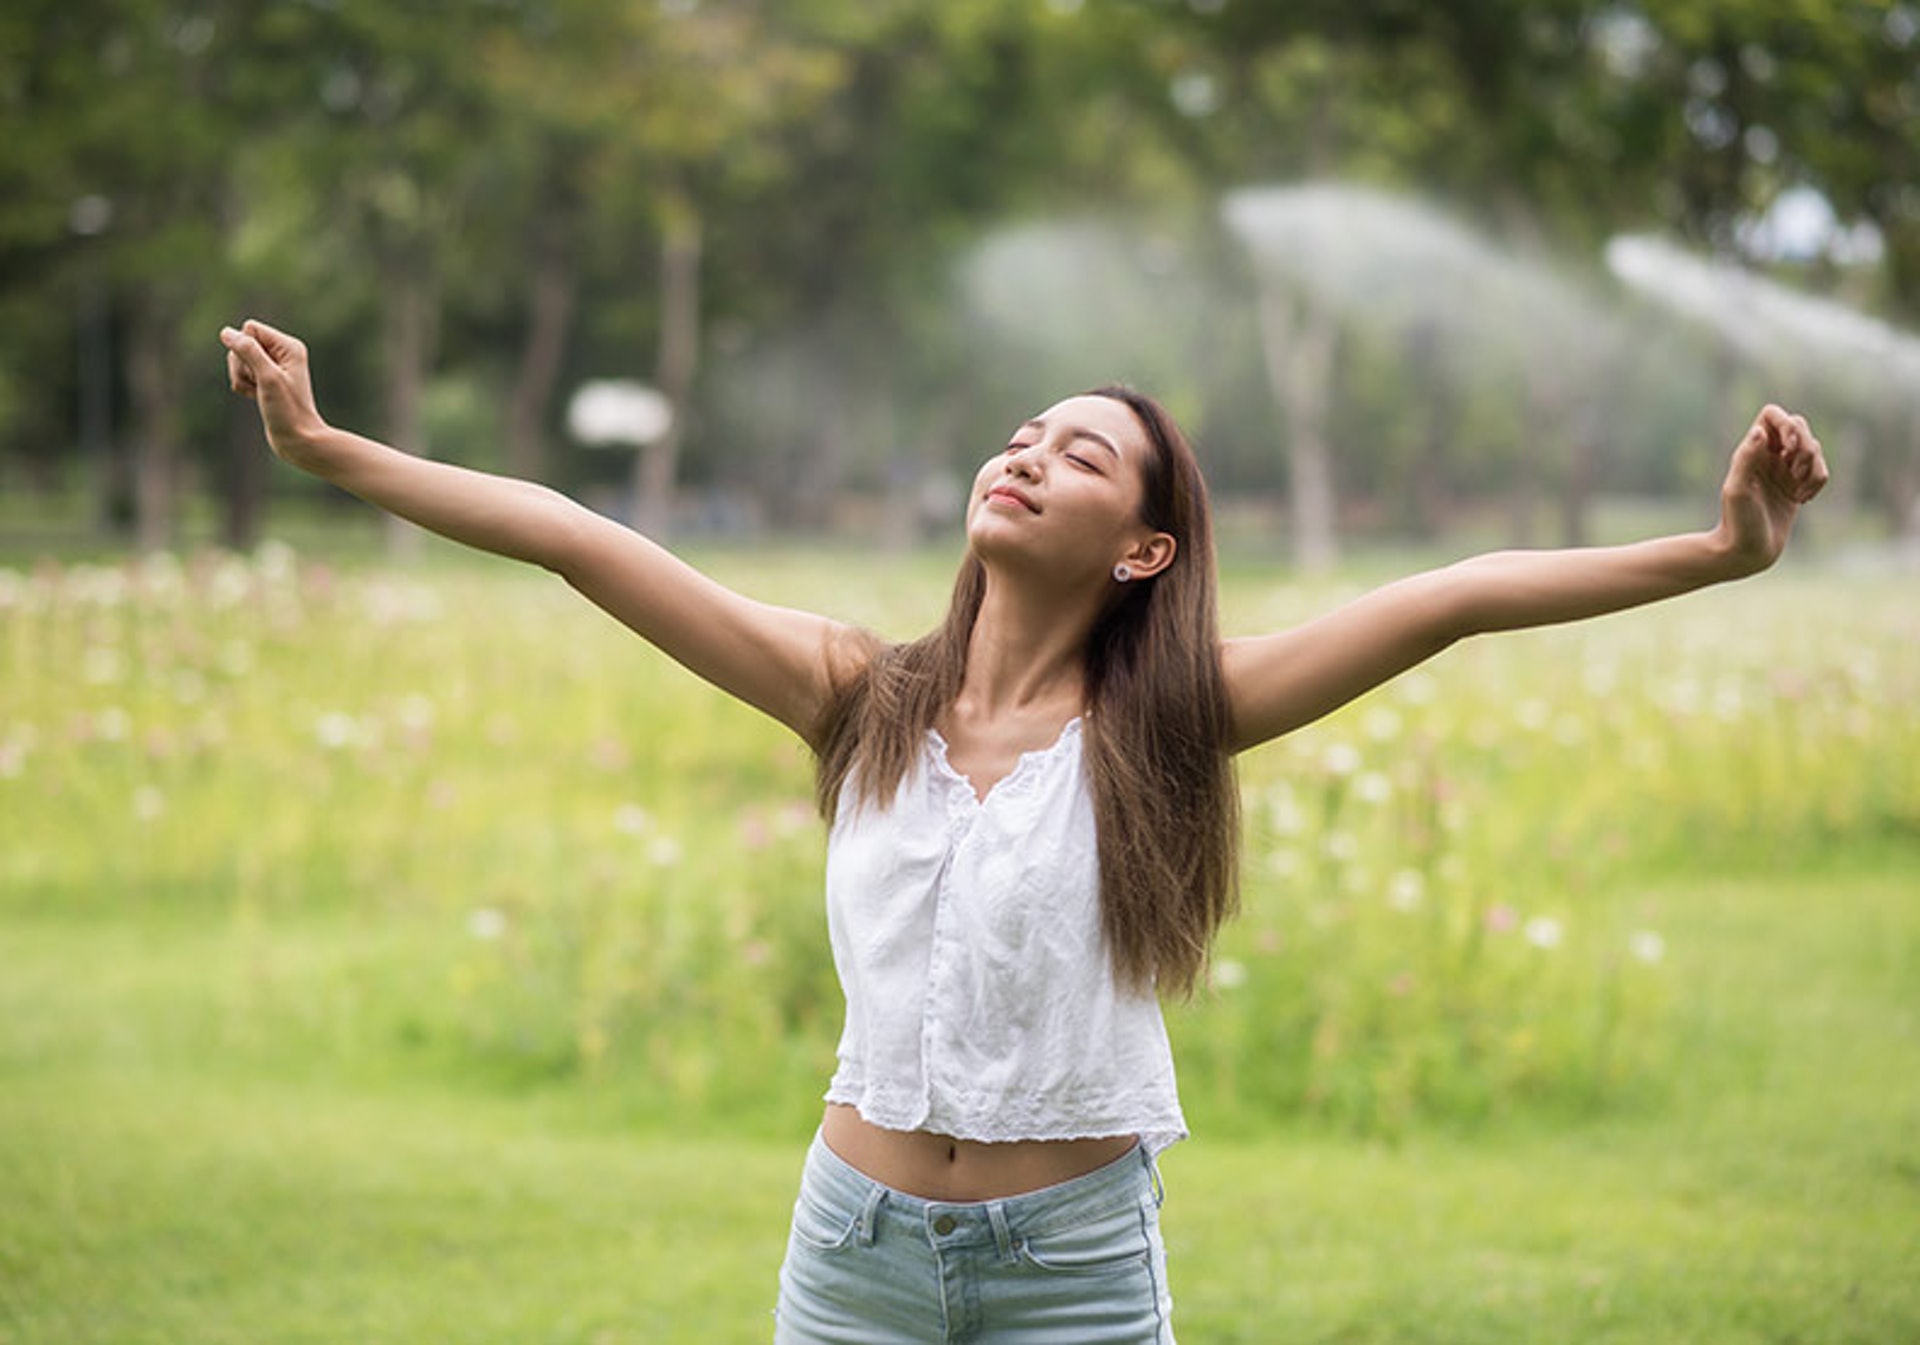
1033, 822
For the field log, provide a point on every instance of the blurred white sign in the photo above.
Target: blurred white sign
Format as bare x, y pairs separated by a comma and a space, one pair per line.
618, 412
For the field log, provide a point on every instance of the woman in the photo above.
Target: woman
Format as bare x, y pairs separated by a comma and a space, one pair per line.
1033, 822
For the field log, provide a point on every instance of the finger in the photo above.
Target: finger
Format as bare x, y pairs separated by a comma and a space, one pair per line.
239, 376
284, 348
252, 357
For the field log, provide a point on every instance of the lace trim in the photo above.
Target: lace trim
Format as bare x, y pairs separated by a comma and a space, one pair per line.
1025, 768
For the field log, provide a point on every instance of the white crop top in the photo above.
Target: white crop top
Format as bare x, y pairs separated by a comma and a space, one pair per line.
981, 1001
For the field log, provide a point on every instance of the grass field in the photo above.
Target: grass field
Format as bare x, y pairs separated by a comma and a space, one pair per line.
409, 956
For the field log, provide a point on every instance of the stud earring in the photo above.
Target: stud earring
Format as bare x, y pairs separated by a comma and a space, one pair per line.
1121, 573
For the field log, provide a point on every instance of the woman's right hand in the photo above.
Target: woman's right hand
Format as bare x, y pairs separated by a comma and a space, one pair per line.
271, 367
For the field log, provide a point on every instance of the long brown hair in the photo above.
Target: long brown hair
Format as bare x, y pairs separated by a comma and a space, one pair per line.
1166, 806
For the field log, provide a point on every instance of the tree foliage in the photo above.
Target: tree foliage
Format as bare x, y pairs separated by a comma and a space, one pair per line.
791, 215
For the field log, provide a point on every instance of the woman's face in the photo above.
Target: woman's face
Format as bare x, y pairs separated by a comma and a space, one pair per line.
1066, 493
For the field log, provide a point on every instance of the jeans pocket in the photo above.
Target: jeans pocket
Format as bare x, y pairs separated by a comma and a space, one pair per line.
1110, 1243
821, 1228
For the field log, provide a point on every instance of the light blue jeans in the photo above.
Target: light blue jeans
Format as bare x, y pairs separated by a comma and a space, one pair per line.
1080, 1263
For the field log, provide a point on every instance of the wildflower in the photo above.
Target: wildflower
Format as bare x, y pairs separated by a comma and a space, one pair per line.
113, 724
1543, 931
1406, 889
632, 819
1532, 715
1501, 917
1228, 974
754, 832
1382, 724
148, 804
101, 666
275, 561
1341, 845
487, 924
1283, 812
1373, 787
229, 584
1340, 759
664, 852
1646, 945
1401, 986
756, 953
1283, 863
416, 713
335, 730
236, 658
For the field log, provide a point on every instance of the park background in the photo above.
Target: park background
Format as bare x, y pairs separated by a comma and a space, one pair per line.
394, 950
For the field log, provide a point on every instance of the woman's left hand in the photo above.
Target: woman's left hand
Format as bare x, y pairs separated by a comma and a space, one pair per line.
1776, 468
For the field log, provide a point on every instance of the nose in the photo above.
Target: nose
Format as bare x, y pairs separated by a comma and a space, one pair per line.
1023, 461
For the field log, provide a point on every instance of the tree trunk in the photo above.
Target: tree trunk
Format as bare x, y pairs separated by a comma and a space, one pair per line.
153, 379
407, 317
246, 476
653, 469
549, 311
1299, 338
1903, 494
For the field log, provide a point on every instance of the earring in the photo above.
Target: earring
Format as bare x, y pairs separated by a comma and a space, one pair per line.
1121, 573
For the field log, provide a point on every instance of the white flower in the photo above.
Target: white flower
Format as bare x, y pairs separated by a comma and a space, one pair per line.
1373, 787
1283, 863
335, 730
1416, 688
113, 724
1646, 945
1341, 845
416, 713
1532, 715
632, 819
274, 560
1228, 974
1381, 724
148, 803
664, 852
1406, 890
1543, 931
487, 923
1340, 759
1283, 812
100, 666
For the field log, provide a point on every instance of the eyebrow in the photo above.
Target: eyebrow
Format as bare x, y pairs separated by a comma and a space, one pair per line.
1080, 432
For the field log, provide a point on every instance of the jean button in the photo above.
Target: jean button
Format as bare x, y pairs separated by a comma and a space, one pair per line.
944, 1225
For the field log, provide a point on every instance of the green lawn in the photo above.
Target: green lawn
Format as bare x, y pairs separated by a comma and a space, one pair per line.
363, 934
155, 1188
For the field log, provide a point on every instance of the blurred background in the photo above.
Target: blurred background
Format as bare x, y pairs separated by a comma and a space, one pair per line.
1401, 269
393, 949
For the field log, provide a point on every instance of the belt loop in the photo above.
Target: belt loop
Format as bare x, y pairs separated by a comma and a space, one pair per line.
867, 1227
1153, 1177
1003, 1238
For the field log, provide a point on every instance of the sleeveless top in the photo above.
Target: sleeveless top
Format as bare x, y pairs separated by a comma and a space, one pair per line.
981, 1000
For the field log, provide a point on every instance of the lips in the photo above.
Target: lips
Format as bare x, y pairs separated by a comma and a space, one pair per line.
1012, 495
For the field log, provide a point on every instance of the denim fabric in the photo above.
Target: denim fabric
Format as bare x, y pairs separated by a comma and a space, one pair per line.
1080, 1263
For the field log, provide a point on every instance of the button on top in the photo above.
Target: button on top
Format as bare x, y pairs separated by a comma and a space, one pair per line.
944, 1225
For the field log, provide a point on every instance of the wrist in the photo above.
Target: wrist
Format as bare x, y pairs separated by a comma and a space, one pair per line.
1726, 558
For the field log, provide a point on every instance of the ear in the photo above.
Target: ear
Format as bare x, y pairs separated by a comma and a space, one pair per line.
1150, 554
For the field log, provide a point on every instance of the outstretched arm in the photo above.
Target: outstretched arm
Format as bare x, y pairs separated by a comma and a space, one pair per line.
778, 660
1276, 683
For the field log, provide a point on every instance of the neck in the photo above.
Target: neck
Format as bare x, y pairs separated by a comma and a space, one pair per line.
1027, 649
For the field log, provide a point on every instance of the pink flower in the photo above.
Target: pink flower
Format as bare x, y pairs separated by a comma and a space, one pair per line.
1501, 917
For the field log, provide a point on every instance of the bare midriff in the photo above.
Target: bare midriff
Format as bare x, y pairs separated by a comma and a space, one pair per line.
939, 1167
